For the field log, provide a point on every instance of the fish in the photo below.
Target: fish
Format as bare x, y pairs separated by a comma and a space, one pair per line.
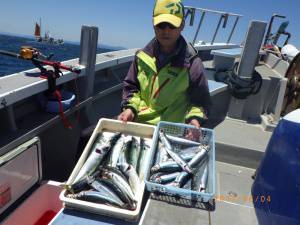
199, 157
166, 178
161, 154
181, 179
164, 139
180, 161
166, 166
181, 141
134, 152
99, 150
97, 197
115, 188
145, 149
122, 145
100, 186
184, 176
122, 158
131, 174
155, 175
203, 180
187, 156
177, 158
78, 186
120, 181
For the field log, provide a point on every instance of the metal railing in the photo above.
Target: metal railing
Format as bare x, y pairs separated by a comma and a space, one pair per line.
190, 11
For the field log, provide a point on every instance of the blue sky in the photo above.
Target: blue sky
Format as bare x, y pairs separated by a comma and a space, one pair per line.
129, 23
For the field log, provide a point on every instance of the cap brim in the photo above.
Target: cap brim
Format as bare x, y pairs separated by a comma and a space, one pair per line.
167, 18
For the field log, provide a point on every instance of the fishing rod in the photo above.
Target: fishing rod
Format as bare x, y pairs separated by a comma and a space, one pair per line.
40, 60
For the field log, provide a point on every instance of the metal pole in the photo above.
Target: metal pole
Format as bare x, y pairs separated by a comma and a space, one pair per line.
88, 52
198, 28
215, 34
233, 28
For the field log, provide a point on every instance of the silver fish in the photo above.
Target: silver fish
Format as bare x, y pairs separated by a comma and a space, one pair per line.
122, 144
145, 149
131, 174
97, 197
155, 176
167, 166
177, 158
199, 157
203, 180
122, 158
180, 161
164, 139
134, 152
120, 182
181, 141
181, 179
166, 178
96, 156
100, 186
78, 186
161, 153
188, 156
115, 188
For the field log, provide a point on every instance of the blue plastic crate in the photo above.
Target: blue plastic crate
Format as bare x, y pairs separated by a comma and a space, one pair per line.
178, 129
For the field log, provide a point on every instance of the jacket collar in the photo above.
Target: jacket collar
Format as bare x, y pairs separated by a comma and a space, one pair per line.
180, 58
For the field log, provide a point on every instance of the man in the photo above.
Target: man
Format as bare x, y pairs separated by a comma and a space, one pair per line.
166, 79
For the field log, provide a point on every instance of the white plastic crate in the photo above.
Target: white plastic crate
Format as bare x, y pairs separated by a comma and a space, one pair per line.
135, 129
178, 129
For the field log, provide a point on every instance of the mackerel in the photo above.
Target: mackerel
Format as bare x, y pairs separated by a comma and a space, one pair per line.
131, 174
167, 166
166, 178
134, 151
101, 187
100, 149
181, 141
177, 158
121, 146
203, 180
145, 149
97, 197
120, 182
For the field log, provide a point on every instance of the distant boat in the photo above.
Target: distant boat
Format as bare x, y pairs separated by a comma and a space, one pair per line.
47, 38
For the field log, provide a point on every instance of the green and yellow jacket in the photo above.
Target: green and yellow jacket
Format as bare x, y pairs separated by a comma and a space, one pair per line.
170, 88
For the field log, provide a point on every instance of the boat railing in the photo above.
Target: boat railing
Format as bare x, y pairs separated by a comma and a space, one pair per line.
223, 16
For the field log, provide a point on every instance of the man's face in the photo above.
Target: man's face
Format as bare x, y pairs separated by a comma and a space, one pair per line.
167, 34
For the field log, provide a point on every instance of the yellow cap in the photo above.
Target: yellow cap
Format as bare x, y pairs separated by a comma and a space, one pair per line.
170, 11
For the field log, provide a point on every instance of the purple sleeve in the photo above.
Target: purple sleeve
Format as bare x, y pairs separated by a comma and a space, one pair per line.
198, 88
130, 84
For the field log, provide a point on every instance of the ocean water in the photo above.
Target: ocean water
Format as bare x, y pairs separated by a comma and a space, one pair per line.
10, 65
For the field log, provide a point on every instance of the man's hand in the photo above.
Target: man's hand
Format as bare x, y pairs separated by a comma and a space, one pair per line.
126, 115
194, 134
